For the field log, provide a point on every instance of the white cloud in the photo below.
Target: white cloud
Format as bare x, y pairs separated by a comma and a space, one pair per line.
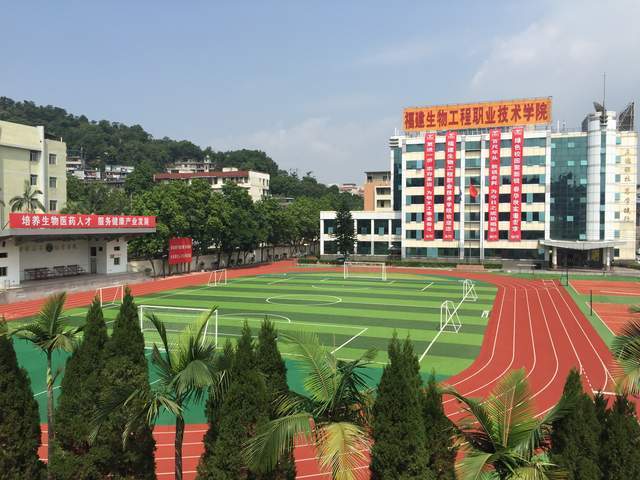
563, 54
335, 152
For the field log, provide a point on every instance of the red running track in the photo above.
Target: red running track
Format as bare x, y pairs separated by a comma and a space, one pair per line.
615, 315
533, 325
598, 287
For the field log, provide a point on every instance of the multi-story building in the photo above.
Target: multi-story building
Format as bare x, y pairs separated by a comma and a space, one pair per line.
29, 156
192, 166
514, 189
116, 174
256, 183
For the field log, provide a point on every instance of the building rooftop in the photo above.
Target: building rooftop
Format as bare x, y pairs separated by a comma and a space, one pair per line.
183, 176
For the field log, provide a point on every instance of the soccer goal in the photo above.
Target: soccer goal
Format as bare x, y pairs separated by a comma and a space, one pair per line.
375, 270
111, 295
449, 319
217, 277
175, 320
469, 291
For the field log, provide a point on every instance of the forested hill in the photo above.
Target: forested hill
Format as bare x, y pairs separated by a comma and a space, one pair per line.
104, 142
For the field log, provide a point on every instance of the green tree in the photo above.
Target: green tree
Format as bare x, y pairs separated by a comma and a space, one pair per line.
575, 436
49, 333
333, 415
141, 179
240, 230
73, 456
244, 410
125, 370
397, 428
29, 201
19, 418
344, 232
618, 448
626, 350
441, 454
273, 368
501, 437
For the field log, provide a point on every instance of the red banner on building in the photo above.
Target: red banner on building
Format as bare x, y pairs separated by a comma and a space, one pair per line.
517, 142
493, 232
449, 186
429, 171
63, 221
180, 250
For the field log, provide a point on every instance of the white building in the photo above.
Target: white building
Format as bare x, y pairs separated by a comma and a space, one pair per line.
256, 183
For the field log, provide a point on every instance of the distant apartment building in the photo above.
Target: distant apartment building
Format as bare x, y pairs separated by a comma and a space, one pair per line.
256, 183
192, 166
377, 191
352, 188
117, 174
29, 155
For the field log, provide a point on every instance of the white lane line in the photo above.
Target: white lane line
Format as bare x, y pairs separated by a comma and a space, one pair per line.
426, 287
280, 280
45, 391
600, 318
615, 292
350, 340
553, 346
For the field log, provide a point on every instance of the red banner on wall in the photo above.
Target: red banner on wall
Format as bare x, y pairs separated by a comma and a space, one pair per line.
493, 232
517, 142
180, 250
429, 170
449, 186
61, 221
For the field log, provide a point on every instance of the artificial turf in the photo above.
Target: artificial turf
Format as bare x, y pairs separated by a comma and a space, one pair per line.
349, 315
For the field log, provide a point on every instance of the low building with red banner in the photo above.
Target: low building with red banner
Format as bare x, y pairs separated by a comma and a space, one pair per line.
496, 180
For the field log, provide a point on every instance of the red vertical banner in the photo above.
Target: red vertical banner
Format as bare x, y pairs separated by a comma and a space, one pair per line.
429, 170
493, 231
517, 142
180, 250
449, 186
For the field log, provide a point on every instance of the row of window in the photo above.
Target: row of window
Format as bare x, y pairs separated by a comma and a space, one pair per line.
34, 156
471, 180
475, 145
528, 161
33, 181
503, 198
475, 234
475, 217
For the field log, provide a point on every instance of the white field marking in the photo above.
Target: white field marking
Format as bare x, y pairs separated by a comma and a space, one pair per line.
298, 355
620, 293
604, 366
391, 282
255, 314
599, 318
281, 280
574, 289
422, 290
426, 350
45, 391
513, 354
612, 394
324, 280
485, 314
350, 340
291, 297
341, 287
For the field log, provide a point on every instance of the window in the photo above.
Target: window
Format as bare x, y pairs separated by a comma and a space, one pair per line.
53, 182
616, 234
3, 255
33, 180
53, 205
116, 260
34, 156
116, 248
3, 271
616, 215
52, 159
617, 178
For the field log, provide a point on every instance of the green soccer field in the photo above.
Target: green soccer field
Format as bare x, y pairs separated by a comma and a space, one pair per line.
349, 315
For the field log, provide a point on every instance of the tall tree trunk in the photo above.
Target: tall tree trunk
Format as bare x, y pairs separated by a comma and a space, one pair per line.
50, 431
153, 266
178, 446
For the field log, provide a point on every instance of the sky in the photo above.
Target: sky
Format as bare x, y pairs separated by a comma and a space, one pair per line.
318, 86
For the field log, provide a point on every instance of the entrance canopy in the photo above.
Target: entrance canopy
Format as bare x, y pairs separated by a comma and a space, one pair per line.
580, 253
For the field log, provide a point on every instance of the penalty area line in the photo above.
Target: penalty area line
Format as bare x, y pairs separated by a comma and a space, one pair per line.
350, 340
422, 290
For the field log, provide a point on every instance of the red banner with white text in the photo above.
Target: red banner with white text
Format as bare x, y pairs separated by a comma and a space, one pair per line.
20, 220
180, 250
517, 143
493, 232
429, 170
449, 186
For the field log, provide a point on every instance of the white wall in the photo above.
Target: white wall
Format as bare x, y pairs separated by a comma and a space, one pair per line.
64, 252
12, 262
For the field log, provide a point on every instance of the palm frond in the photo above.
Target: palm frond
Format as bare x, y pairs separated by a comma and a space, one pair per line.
342, 448
276, 439
476, 466
626, 350
478, 428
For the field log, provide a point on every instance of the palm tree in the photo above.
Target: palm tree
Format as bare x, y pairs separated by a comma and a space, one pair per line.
28, 201
333, 415
626, 350
49, 333
501, 438
186, 374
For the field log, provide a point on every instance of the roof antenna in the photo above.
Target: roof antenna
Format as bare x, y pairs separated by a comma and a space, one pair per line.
603, 117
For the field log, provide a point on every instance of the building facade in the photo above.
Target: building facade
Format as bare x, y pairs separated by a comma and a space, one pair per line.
29, 156
256, 183
511, 192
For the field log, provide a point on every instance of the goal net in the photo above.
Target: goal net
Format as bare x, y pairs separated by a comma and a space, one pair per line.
217, 277
449, 319
111, 295
469, 291
175, 320
375, 270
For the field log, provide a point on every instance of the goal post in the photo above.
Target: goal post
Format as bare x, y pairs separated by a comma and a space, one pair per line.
175, 320
217, 277
469, 291
374, 270
449, 319
110, 295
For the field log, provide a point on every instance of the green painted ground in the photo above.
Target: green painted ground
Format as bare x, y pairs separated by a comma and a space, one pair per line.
349, 316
